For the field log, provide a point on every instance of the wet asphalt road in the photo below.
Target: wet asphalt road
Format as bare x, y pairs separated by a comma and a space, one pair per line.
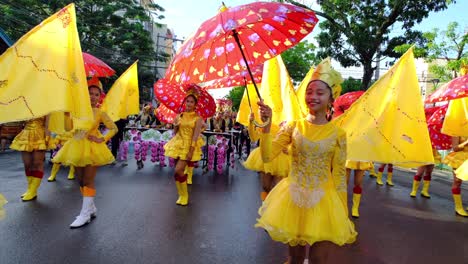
138, 221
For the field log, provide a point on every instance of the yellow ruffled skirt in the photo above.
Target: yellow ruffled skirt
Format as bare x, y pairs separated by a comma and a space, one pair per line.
279, 166
81, 152
3, 201
455, 159
296, 217
178, 148
462, 171
359, 165
30, 140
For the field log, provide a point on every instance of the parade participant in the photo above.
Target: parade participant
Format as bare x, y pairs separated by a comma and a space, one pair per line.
455, 159
33, 141
389, 174
425, 170
185, 146
60, 140
86, 151
359, 168
145, 117
270, 172
217, 123
309, 207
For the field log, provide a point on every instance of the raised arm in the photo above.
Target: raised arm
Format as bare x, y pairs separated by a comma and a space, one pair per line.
110, 125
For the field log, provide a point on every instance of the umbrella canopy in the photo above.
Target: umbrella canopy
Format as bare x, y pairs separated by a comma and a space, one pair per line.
238, 38
343, 102
165, 114
435, 118
95, 67
173, 97
240, 79
456, 88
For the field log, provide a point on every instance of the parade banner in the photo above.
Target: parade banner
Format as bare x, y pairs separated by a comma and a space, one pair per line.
123, 98
43, 73
387, 123
277, 91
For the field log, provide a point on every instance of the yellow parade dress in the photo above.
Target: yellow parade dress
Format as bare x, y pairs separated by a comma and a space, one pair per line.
462, 171
456, 158
279, 166
32, 137
311, 204
179, 146
359, 165
79, 151
62, 138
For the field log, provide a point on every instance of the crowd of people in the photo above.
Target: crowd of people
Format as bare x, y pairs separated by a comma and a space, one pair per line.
303, 166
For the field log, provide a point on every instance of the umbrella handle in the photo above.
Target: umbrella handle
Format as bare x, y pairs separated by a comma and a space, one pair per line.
236, 37
267, 122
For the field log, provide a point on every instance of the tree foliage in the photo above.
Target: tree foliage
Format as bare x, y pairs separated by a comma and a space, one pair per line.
357, 32
110, 30
450, 45
299, 59
235, 95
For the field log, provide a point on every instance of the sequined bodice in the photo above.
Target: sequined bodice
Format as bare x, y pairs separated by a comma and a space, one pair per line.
187, 125
311, 160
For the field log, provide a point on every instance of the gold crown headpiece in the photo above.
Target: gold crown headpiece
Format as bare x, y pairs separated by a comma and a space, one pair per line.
325, 73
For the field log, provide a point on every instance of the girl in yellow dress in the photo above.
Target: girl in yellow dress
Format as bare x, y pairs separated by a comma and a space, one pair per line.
359, 168
33, 141
86, 151
455, 159
186, 145
425, 170
60, 141
309, 207
270, 172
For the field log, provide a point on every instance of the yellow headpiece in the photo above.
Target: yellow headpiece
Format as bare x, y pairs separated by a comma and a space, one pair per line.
325, 73
192, 89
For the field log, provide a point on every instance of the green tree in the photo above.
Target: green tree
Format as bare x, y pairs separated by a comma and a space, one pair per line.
358, 33
449, 45
111, 30
351, 85
299, 59
235, 95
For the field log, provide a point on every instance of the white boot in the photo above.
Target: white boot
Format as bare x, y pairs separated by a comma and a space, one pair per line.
85, 215
93, 209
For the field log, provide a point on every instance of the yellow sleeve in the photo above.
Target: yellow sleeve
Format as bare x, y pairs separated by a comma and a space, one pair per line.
339, 167
253, 132
269, 148
110, 125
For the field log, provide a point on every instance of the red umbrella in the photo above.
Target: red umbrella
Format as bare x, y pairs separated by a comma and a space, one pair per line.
239, 38
435, 119
95, 67
456, 88
165, 114
343, 102
239, 79
173, 97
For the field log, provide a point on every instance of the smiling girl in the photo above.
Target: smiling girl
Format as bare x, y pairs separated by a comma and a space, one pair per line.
185, 146
310, 206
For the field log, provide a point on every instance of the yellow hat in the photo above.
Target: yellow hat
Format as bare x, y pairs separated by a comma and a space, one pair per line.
325, 73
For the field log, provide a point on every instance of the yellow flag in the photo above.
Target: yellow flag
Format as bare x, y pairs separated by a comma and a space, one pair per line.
387, 124
244, 108
456, 118
43, 72
277, 91
462, 171
300, 92
123, 98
